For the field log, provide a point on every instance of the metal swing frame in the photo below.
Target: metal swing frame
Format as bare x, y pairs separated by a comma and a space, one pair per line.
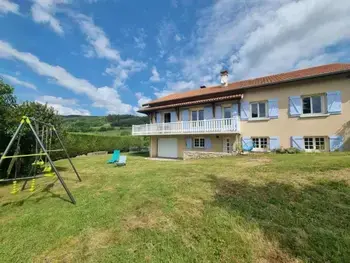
26, 120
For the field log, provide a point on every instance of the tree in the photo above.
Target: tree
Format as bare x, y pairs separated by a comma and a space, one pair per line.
7, 104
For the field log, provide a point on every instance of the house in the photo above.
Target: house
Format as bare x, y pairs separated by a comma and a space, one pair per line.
308, 109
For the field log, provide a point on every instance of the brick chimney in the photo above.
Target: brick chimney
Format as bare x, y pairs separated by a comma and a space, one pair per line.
224, 78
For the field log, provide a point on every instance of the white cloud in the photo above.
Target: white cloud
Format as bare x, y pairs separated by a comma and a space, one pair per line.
103, 97
256, 38
155, 75
140, 39
16, 81
43, 11
173, 87
141, 99
167, 31
100, 46
8, 7
58, 100
61, 105
177, 38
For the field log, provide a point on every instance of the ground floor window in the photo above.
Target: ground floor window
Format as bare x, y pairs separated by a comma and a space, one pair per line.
199, 143
260, 143
314, 143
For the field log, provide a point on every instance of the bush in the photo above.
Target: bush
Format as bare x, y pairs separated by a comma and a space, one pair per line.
78, 144
280, 151
292, 150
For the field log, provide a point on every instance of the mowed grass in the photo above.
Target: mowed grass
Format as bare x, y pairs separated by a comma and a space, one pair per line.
257, 208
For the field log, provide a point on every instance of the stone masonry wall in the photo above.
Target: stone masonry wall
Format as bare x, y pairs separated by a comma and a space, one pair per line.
188, 155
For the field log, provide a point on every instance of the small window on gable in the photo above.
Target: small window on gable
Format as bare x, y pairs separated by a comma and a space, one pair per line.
258, 110
199, 142
313, 104
167, 117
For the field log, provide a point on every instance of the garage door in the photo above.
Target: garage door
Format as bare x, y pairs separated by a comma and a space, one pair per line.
167, 147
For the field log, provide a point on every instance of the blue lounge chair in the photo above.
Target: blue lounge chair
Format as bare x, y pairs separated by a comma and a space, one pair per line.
122, 161
115, 156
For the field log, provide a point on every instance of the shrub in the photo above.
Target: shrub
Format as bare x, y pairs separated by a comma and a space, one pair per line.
78, 144
280, 151
293, 150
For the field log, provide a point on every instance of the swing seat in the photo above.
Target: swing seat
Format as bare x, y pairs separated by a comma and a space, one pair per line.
49, 174
47, 169
38, 163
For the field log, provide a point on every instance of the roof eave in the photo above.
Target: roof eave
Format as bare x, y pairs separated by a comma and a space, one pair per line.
260, 85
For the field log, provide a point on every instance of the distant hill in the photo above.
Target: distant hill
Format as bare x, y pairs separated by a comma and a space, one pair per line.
111, 124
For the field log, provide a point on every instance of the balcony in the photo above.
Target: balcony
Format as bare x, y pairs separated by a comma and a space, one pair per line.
231, 125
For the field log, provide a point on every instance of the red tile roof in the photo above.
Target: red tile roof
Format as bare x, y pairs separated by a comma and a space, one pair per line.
258, 82
196, 102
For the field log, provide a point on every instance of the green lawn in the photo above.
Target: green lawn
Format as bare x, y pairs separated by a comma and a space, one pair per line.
263, 208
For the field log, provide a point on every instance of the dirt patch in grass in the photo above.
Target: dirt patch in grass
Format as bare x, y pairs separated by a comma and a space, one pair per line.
188, 206
148, 220
251, 162
81, 248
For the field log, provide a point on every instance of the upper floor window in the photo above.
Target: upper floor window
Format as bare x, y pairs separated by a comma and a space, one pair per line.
227, 112
198, 115
313, 104
258, 110
167, 117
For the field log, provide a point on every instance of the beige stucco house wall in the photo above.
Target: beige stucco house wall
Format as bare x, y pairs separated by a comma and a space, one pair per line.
286, 126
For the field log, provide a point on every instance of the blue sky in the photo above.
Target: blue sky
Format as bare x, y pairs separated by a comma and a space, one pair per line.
95, 57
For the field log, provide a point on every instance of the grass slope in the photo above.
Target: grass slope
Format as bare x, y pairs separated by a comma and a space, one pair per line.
268, 208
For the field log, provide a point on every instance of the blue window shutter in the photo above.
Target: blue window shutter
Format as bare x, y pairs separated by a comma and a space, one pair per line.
158, 119
173, 116
273, 108
295, 107
188, 143
245, 112
185, 115
334, 102
218, 112
298, 142
234, 110
208, 113
275, 143
336, 143
247, 144
207, 143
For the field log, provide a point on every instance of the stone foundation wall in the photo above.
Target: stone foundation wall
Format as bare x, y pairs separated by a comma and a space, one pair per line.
188, 155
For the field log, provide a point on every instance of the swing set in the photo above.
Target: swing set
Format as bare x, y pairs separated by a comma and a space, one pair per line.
43, 165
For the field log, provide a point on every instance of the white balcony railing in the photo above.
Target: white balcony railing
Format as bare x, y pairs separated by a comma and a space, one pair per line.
231, 125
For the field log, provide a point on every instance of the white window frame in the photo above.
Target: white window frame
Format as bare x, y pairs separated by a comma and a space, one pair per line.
200, 139
323, 102
259, 148
314, 139
259, 117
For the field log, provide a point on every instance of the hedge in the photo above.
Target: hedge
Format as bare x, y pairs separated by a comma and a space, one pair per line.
79, 144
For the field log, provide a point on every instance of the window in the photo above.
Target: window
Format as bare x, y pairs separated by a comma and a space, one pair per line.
167, 117
227, 112
199, 143
314, 143
260, 143
258, 110
198, 115
313, 104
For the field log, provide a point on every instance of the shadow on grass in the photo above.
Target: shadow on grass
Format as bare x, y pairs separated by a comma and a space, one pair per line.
44, 194
311, 223
139, 154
